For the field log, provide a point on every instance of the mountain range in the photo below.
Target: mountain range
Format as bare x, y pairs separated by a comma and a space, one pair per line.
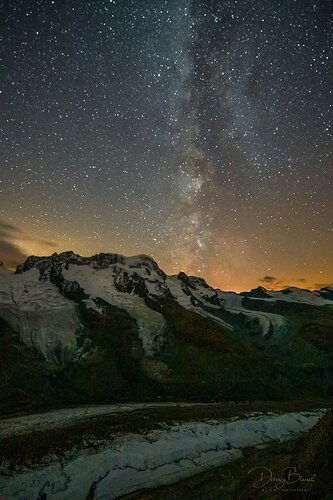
79, 329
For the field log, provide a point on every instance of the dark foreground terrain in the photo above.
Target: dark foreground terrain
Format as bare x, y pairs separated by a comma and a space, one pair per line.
297, 469
196, 450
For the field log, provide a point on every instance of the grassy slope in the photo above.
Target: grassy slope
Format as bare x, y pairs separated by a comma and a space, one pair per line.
24, 381
208, 362
191, 328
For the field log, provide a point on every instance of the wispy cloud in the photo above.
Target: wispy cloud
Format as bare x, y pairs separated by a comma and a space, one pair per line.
10, 253
268, 279
4, 226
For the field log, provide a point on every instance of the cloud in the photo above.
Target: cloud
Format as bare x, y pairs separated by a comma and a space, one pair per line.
268, 279
4, 234
50, 244
10, 252
4, 226
301, 280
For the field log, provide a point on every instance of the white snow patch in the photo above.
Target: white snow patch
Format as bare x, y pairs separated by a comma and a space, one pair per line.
298, 295
38, 312
100, 283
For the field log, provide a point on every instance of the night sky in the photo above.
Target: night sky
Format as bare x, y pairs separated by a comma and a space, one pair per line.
197, 132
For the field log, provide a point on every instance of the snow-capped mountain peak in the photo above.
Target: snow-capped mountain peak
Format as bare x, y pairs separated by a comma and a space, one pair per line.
40, 300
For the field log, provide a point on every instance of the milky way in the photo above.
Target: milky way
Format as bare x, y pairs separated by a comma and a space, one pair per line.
197, 132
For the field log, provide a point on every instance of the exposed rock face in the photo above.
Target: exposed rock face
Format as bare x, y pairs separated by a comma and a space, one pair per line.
198, 290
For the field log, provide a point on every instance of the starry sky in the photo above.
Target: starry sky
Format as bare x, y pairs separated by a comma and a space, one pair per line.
197, 132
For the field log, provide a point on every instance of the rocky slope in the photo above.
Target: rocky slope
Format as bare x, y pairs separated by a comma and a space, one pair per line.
110, 327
